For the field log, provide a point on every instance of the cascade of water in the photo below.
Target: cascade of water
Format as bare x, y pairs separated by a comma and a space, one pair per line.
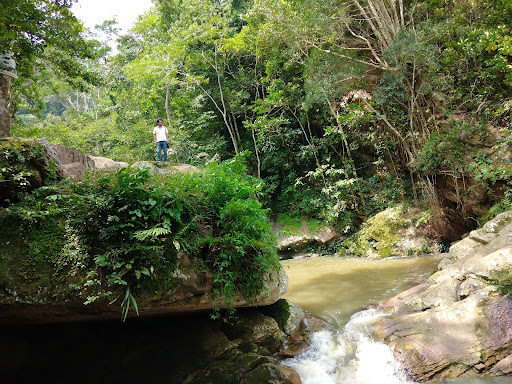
348, 356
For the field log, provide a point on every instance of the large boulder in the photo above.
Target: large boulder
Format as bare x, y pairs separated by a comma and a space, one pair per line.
455, 324
396, 231
38, 295
291, 242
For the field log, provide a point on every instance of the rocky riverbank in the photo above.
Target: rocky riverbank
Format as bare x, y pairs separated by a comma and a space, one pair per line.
455, 324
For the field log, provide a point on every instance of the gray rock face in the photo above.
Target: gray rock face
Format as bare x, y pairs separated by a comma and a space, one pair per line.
73, 164
296, 242
454, 324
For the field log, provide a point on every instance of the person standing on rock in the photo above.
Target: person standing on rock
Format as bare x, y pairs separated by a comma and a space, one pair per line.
161, 137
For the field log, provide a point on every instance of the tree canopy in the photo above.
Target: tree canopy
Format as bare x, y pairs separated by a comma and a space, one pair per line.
346, 105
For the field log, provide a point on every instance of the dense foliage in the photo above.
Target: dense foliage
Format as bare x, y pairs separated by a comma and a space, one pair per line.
347, 106
45, 40
127, 231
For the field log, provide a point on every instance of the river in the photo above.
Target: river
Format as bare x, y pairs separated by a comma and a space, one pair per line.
344, 292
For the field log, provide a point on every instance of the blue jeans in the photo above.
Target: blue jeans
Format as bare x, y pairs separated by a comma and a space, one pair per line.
161, 146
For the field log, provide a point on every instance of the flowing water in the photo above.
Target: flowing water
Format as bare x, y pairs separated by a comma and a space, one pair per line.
339, 290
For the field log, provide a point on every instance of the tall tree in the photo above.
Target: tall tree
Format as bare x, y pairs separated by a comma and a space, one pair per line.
36, 34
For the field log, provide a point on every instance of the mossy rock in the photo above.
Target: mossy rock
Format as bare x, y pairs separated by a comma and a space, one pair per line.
29, 263
23, 167
397, 231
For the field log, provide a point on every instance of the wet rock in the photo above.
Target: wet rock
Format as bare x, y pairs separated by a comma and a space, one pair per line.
295, 319
299, 238
271, 374
453, 324
229, 369
254, 328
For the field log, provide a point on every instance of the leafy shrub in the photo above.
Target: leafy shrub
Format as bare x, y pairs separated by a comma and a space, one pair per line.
128, 229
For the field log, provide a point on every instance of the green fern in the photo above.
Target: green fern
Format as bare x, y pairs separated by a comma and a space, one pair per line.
152, 234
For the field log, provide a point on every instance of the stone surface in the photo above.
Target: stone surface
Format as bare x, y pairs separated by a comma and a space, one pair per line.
295, 319
191, 293
103, 163
454, 324
271, 374
255, 328
298, 239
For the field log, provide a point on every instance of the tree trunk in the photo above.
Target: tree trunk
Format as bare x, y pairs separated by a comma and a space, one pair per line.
5, 117
167, 96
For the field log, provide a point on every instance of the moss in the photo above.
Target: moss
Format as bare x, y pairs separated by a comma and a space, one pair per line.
279, 311
22, 279
380, 233
46, 241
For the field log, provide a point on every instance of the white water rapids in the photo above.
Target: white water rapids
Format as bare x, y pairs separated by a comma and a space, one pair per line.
348, 356
335, 289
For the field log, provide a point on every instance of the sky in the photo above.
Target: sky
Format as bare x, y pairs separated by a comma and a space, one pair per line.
93, 12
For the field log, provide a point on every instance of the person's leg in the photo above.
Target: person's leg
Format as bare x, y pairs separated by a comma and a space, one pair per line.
159, 150
164, 145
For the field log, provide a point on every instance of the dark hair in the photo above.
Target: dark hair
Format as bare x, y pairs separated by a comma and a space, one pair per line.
157, 120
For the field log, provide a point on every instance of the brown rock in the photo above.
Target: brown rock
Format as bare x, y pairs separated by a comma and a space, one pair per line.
452, 325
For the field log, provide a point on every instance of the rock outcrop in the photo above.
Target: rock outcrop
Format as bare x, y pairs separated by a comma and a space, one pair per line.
292, 242
455, 324
396, 231
73, 163
51, 300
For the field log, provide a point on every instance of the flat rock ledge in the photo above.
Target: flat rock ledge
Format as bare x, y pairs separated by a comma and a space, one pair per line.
190, 292
455, 324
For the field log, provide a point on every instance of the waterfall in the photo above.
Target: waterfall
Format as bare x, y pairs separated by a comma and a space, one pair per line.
348, 356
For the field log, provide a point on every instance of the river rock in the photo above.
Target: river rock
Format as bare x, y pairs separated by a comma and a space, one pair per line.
454, 324
255, 330
396, 231
271, 374
289, 243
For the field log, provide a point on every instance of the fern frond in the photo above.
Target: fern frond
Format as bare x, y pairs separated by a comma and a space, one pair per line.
152, 233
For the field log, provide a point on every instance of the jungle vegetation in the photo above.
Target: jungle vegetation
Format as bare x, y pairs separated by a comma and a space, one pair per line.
345, 106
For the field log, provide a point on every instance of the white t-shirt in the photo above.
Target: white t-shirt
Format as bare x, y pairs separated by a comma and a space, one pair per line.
161, 133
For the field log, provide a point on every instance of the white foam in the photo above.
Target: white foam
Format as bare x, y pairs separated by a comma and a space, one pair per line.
349, 356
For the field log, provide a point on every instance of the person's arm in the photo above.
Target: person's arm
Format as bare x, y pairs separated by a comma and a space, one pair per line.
154, 137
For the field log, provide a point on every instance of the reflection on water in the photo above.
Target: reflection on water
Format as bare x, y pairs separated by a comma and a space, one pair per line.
335, 288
